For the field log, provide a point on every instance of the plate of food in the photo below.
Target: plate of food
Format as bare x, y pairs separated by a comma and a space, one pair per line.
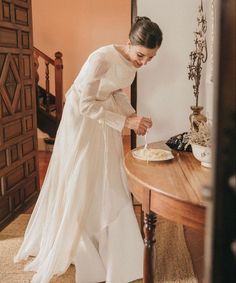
152, 154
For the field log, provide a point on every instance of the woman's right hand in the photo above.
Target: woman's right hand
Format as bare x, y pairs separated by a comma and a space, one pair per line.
138, 124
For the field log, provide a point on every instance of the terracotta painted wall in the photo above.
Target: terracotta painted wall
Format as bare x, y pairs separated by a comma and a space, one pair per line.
77, 27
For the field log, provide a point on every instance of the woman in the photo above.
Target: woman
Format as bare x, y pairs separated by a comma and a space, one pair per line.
84, 214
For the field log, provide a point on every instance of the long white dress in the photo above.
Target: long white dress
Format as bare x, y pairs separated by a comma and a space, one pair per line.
84, 214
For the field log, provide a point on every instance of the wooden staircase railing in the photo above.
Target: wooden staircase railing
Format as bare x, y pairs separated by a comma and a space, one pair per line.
57, 64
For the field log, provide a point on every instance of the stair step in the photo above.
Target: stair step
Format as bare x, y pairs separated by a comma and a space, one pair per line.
49, 140
49, 143
50, 107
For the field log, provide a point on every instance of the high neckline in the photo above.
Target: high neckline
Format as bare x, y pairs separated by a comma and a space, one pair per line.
123, 57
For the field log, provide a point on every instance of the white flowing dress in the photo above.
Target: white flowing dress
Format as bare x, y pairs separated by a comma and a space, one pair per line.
84, 214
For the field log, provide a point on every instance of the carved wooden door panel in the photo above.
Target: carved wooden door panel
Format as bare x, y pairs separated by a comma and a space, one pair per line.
18, 128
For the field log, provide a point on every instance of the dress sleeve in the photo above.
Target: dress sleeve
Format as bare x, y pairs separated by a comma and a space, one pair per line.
90, 106
123, 103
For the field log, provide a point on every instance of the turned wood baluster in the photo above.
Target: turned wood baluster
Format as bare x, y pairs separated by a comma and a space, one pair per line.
149, 241
36, 66
58, 84
47, 84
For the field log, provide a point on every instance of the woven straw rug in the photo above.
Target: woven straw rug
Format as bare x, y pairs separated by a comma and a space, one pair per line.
173, 262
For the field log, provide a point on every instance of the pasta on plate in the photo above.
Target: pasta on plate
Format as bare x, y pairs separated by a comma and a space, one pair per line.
152, 154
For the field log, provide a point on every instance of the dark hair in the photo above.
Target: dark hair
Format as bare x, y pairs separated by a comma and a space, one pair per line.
146, 33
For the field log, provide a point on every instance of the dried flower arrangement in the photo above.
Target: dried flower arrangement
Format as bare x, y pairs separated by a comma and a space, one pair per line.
199, 55
201, 136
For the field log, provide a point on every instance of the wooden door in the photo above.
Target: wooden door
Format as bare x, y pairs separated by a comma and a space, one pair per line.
220, 260
18, 127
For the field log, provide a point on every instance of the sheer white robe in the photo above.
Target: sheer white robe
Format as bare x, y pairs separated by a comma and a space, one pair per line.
84, 215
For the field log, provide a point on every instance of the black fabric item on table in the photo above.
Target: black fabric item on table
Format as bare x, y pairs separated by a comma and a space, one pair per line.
178, 142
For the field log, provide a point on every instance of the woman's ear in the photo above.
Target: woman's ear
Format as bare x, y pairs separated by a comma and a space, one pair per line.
128, 42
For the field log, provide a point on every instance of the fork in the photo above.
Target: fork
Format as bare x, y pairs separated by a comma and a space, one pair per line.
146, 144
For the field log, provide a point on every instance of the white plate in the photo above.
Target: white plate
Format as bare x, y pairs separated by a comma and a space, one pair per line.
152, 154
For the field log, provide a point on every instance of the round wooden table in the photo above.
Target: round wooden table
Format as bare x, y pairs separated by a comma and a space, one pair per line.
172, 189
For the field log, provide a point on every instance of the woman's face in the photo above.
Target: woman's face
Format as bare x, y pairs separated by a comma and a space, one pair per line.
140, 55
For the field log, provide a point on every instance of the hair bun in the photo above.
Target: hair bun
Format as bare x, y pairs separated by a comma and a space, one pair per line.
141, 19
146, 33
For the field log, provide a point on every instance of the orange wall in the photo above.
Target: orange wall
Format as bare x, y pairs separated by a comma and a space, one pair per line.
77, 27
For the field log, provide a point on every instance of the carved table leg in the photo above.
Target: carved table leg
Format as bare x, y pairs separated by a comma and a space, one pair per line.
149, 241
